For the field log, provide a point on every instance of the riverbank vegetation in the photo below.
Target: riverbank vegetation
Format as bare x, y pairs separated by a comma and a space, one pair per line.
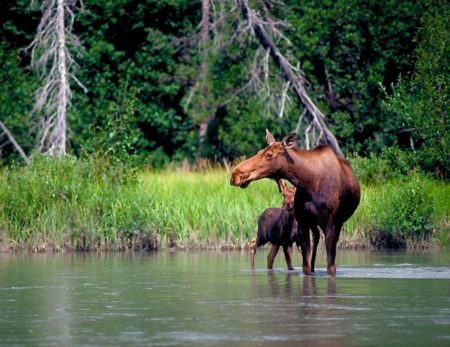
93, 204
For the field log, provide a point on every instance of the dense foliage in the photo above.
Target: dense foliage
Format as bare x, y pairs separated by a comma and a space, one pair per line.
144, 54
421, 102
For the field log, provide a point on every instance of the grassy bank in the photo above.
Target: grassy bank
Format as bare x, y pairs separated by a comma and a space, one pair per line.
91, 204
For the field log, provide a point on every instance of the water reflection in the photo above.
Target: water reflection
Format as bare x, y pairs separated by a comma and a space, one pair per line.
298, 308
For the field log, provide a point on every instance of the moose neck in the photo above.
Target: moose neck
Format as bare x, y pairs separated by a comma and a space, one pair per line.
298, 169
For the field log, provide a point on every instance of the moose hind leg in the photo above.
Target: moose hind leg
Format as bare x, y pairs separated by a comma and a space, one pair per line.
271, 256
316, 238
331, 238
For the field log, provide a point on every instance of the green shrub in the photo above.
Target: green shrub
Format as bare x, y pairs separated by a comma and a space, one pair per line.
391, 163
398, 210
373, 169
411, 212
405, 210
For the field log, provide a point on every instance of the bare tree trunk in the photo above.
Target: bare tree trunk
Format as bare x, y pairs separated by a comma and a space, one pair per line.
58, 144
316, 116
204, 33
50, 56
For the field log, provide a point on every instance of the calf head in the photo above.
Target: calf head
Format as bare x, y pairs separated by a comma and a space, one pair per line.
267, 163
288, 195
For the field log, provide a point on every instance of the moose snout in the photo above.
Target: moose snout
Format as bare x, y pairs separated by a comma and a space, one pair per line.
235, 179
288, 206
238, 178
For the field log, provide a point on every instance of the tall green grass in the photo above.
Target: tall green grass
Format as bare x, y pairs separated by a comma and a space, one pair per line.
203, 206
66, 202
410, 209
94, 204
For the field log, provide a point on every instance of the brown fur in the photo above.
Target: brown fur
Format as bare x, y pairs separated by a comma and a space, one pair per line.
279, 227
327, 191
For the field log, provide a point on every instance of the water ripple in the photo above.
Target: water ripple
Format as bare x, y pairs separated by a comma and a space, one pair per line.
396, 271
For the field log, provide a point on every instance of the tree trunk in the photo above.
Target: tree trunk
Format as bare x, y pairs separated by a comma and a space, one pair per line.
51, 58
58, 144
204, 33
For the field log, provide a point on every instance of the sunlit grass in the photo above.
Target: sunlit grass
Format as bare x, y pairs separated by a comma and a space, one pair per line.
205, 206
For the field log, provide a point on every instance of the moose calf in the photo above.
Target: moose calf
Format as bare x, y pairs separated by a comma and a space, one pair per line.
279, 227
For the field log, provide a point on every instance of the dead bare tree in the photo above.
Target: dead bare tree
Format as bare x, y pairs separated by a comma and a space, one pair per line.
316, 118
204, 33
200, 86
273, 86
52, 59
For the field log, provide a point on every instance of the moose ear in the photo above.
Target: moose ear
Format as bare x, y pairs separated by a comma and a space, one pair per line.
269, 137
290, 140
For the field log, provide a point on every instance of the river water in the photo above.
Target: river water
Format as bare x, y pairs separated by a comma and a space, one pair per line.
213, 299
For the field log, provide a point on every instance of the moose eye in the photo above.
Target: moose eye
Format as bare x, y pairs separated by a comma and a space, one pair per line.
269, 156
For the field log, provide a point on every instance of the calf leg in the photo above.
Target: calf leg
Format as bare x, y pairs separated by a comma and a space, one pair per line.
271, 256
252, 253
316, 238
331, 238
287, 256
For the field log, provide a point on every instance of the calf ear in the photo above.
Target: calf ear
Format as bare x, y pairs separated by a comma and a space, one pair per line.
269, 137
281, 186
290, 140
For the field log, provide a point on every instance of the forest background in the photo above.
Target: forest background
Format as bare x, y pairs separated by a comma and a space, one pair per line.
378, 70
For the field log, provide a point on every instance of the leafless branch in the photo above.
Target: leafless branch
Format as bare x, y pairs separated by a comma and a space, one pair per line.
284, 97
10, 139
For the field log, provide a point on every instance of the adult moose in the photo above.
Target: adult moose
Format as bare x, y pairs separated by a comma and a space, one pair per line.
327, 190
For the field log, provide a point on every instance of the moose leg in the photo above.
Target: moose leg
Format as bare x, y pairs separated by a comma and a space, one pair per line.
271, 256
287, 256
331, 238
252, 253
305, 246
316, 238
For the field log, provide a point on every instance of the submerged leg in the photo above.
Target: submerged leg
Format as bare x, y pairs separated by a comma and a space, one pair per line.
331, 238
271, 256
287, 256
316, 238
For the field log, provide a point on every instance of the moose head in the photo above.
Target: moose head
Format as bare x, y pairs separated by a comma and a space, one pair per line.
267, 163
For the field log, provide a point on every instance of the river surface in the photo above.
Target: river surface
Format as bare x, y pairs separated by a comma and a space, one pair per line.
213, 299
